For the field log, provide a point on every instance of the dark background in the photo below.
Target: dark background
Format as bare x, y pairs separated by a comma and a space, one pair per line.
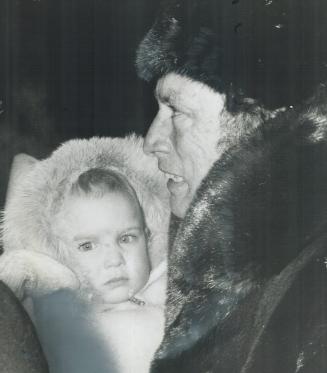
67, 70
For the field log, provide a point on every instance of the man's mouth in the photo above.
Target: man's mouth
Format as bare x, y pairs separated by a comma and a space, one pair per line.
173, 177
176, 184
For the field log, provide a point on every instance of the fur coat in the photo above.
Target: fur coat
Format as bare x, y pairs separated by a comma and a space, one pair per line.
247, 265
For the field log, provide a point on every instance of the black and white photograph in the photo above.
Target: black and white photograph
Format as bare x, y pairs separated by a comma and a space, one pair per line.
163, 186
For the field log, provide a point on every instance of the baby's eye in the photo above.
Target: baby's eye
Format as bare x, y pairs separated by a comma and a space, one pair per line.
86, 246
127, 238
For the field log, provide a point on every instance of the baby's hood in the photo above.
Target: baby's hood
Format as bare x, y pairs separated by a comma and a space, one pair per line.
29, 207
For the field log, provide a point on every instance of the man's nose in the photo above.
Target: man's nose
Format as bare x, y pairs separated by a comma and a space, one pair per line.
113, 257
157, 139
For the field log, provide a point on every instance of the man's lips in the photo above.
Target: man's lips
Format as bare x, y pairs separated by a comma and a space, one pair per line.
177, 187
176, 184
175, 178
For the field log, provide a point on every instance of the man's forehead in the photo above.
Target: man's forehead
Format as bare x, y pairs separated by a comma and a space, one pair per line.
175, 90
172, 87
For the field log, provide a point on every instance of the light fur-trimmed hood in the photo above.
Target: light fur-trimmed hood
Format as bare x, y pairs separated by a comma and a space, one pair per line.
31, 195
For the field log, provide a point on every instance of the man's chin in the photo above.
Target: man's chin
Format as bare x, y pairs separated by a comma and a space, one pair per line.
179, 206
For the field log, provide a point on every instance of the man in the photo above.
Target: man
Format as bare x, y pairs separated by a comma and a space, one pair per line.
241, 135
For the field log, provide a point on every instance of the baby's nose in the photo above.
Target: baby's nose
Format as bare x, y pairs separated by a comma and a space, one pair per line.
113, 258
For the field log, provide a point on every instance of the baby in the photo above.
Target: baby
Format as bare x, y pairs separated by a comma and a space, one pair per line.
102, 228
100, 235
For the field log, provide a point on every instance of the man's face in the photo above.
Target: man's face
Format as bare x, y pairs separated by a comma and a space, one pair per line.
184, 135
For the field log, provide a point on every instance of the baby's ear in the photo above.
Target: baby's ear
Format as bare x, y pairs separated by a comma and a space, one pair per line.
21, 165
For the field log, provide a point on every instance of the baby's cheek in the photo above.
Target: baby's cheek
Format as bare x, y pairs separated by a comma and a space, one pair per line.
140, 277
82, 272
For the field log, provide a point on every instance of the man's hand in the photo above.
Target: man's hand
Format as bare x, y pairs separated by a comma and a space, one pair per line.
30, 273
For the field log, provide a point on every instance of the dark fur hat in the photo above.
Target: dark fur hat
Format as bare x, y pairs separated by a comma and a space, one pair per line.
274, 51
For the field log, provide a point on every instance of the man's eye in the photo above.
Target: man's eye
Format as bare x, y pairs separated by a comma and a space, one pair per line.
86, 246
127, 238
177, 114
179, 118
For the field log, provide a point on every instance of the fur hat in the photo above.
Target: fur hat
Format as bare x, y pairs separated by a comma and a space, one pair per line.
31, 202
273, 51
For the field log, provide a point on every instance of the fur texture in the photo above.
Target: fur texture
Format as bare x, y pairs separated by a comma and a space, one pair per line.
29, 210
247, 271
241, 48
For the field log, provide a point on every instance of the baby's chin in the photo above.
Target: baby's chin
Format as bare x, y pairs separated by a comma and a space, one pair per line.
119, 295
113, 294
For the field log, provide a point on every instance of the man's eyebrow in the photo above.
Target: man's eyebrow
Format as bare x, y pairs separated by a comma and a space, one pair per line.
166, 98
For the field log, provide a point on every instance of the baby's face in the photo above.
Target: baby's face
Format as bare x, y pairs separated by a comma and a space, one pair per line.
106, 237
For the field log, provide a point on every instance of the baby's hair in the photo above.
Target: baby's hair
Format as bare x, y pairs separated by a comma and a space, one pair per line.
98, 182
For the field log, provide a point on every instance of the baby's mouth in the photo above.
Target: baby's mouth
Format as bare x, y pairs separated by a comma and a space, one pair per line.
116, 282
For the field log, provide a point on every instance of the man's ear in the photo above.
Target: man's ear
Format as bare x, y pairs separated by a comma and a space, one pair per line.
21, 165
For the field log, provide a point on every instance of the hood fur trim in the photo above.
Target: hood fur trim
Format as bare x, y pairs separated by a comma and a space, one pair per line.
29, 210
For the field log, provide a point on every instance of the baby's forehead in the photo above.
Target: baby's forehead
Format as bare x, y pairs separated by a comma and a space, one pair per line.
117, 209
